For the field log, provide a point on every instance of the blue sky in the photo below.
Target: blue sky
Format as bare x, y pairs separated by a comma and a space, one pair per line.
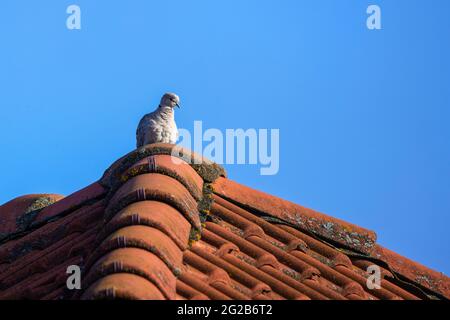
363, 115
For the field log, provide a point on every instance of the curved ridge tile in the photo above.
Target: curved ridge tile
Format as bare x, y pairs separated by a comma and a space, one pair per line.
207, 169
122, 286
154, 214
155, 186
135, 261
170, 166
147, 238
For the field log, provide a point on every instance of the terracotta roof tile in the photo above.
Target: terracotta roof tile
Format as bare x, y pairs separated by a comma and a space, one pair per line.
414, 271
135, 261
123, 286
335, 230
146, 238
37, 285
154, 214
157, 227
50, 233
155, 186
170, 166
324, 271
188, 293
207, 169
18, 214
72, 202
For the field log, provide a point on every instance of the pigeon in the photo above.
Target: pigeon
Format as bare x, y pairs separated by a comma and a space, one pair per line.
159, 125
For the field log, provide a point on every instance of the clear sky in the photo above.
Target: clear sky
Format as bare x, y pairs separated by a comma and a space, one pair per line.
363, 115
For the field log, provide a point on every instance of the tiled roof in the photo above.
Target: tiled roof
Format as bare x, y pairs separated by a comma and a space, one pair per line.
156, 227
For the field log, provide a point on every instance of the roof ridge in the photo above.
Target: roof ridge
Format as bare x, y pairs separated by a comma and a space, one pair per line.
152, 211
208, 170
335, 230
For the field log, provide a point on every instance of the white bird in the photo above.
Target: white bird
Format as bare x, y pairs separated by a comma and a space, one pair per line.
159, 126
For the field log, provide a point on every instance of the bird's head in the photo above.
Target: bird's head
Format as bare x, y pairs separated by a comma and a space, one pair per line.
170, 100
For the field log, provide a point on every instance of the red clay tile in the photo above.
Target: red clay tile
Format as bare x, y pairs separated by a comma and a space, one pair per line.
276, 285
380, 293
190, 293
229, 291
171, 166
123, 286
387, 277
348, 283
13, 214
39, 284
216, 277
414, 271
154, 214
146, 238
297, 285
158, 187
40, 262
118, 167
203, 287
328, 227
72, 202
51, 232
135, 261
236, 273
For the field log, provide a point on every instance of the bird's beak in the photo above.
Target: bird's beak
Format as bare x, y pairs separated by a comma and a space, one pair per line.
178, 105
